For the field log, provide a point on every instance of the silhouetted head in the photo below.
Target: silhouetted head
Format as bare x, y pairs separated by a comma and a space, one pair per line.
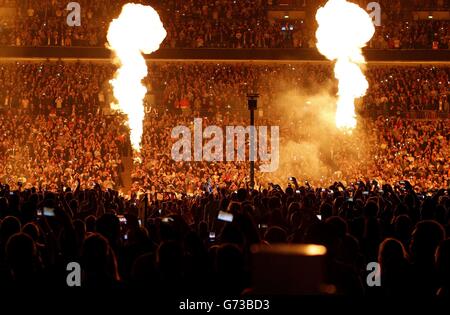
293, 207
248, 228
391, 253
370, 209
10, 226
108, 225
295, 219
98, 258
21, 255
14, 201
28, 210
402, 226
309, 200
340, 225
232, 234
350, 251
276, 218
234, 208
428, 208
91, 222
274, 203
401, 209
426, 237
170, 258
31, 230
241, 194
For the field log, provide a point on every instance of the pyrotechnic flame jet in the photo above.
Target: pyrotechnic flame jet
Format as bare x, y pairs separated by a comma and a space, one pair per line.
137, 30
344, 29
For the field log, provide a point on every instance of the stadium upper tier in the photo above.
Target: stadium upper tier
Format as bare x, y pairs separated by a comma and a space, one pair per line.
220, 24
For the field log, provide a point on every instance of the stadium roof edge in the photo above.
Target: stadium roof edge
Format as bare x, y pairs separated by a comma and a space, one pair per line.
222, 54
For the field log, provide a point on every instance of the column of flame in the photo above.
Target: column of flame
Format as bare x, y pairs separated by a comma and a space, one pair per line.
137, 30
344, 29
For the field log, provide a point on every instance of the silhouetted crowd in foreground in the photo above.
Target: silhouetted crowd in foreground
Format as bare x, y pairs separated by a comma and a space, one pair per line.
181, 245
210, 24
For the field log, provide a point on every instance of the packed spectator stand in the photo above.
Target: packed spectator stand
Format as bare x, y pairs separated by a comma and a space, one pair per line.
73, 97
220, 24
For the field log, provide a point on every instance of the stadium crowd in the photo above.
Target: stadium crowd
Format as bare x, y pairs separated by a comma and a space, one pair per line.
54, 87
206, 24
425, 34
53, 151
224, 86
387, 149
75, 97
82, 88
408, 88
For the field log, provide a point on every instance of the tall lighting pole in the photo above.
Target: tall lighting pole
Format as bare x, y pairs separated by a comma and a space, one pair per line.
252, 106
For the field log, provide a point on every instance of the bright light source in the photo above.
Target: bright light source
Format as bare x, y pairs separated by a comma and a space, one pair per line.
344, 29
137, 30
